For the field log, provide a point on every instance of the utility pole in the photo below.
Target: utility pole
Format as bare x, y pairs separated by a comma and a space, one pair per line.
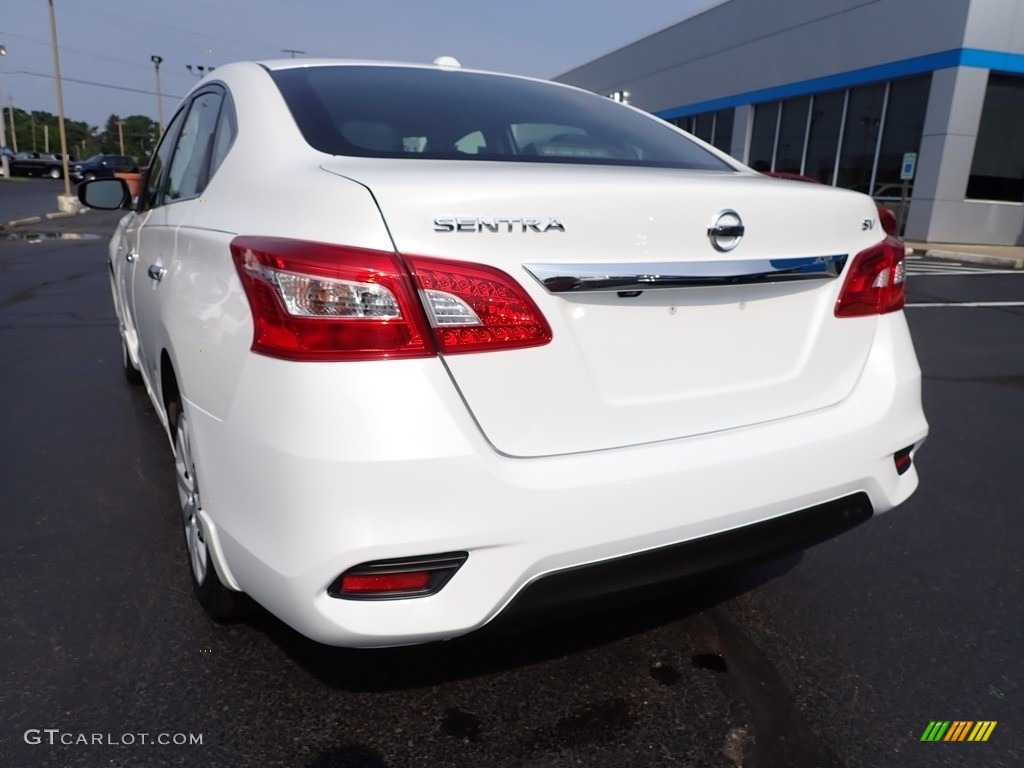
120, 134
4, 165
157, 61
10, 114
68, 202
293, 52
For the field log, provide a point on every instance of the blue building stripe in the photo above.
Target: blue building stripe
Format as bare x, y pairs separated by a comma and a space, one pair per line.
1012, 63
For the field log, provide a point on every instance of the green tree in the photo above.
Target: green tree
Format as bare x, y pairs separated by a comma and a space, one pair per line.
138, 132
38, 130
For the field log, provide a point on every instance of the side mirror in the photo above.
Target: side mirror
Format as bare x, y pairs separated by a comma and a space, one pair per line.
105, 194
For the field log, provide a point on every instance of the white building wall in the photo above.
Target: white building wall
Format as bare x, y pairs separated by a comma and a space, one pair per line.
749, 45
745, 51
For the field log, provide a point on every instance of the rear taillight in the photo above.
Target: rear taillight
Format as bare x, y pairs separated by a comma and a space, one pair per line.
876, 281
319, 301
474, 308
888, 221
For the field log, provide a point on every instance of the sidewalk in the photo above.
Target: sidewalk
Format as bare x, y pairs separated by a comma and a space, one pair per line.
1005, 256
86, 220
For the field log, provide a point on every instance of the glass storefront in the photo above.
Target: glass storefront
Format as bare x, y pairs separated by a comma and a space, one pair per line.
713, 127
997, 170
854, 138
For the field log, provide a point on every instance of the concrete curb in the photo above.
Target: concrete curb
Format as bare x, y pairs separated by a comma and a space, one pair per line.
1006, 262
14, 223
22, 222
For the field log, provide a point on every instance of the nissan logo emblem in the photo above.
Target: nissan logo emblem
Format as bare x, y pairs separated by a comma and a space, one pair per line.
726, 230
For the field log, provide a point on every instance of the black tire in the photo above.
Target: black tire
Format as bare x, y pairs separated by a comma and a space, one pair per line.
222, 604
131, 374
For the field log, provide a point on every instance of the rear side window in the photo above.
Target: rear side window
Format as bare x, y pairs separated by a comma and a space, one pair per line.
190, 166
381, 111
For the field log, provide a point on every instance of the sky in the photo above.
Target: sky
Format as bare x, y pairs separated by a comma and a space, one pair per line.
106, 45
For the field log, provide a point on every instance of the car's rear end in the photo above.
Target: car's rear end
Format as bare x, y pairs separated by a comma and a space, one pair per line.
593, 348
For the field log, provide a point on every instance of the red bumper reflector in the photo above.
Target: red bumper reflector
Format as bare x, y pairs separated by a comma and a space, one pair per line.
401, 578
903, 460
365, 584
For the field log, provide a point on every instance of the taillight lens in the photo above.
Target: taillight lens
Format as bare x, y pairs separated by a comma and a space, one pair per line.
318, 301
888, 221
474, 308
876, 281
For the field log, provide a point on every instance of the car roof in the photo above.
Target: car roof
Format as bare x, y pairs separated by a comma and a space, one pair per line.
275, 64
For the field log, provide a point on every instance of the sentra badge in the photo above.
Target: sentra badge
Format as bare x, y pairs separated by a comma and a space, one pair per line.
497, 224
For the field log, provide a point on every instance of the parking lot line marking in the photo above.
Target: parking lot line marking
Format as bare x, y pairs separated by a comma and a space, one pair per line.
969, 304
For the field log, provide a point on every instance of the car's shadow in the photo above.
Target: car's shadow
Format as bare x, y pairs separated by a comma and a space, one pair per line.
499, 647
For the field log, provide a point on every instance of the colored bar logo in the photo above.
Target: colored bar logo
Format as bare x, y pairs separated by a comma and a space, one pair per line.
958, 730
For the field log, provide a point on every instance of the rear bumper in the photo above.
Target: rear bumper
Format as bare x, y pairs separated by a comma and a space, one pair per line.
592, 586
377, 462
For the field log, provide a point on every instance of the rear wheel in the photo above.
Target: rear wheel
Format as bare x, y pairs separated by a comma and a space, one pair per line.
55, 173
222, 604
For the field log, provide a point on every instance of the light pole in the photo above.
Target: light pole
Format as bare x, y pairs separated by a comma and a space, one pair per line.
65, 202
157, 61
3, 136
14, 131
199, 70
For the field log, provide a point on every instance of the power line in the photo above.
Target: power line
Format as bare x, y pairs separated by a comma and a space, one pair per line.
86, 53
75, 50
90, 82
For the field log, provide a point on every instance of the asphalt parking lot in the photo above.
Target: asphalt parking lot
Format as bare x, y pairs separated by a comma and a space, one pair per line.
840, 657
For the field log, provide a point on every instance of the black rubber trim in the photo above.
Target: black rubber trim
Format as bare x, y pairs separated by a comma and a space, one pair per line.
591, 586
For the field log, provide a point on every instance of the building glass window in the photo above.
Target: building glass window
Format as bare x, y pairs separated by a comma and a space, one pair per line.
713, 127
723, 129
823, 138
789, 154
904, 123
860, 137
704, 126
997, 171
762, 139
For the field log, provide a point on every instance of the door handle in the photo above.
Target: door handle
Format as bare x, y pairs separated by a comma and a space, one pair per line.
157, 273
131, 257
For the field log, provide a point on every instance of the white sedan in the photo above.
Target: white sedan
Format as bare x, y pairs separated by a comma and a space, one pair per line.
434, 345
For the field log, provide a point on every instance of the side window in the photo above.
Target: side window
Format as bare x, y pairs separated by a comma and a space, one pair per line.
471, 144
227, 128
190, 164
157, 173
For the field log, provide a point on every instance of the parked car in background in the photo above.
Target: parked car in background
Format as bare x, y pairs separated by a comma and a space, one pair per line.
467, 344
102, 166
35, 164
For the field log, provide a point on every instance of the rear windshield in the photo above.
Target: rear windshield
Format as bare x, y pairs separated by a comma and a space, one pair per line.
375, 111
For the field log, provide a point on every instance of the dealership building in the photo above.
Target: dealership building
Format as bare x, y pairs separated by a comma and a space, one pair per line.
854, 93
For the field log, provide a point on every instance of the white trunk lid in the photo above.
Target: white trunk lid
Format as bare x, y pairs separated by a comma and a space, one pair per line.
622, 368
